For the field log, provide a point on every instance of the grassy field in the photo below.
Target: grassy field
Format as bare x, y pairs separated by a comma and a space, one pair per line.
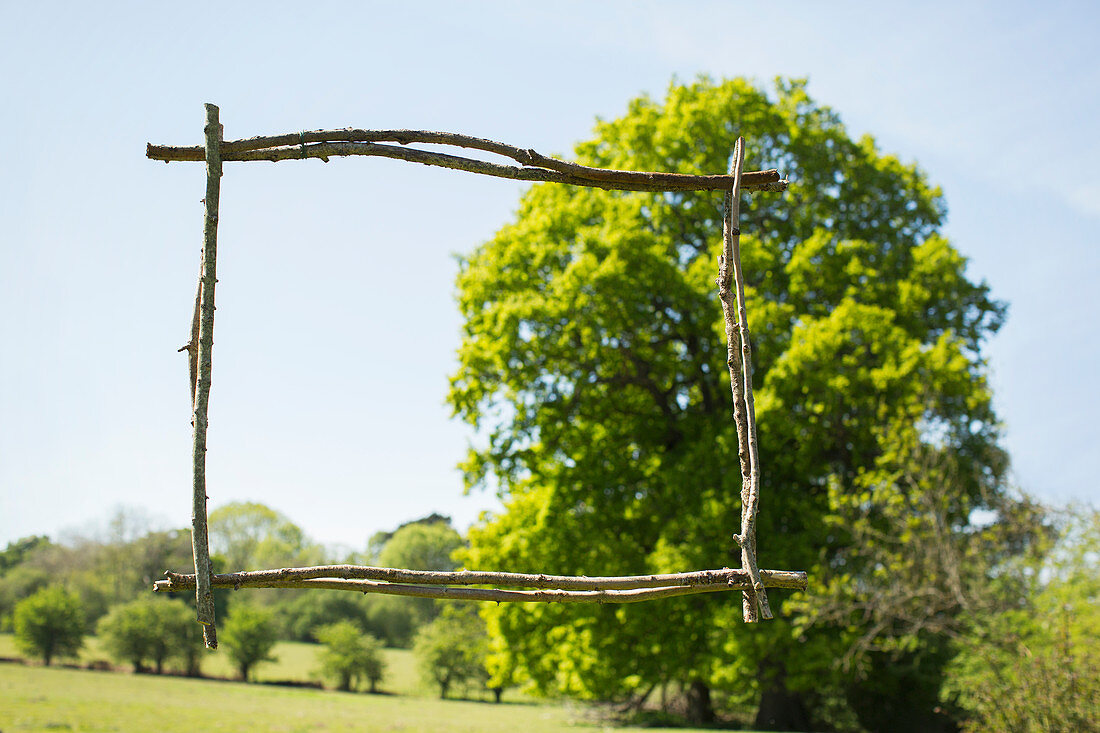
36, 698
295, 662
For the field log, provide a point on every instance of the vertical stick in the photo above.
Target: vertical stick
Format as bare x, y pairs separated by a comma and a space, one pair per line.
200, 542
739, 362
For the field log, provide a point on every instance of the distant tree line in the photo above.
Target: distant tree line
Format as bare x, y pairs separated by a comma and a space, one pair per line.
1026, 655
53, 595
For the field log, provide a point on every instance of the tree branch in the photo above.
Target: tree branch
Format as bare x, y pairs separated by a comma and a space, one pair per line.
740, 368
732, 577
324, 144
431, 584
200, 542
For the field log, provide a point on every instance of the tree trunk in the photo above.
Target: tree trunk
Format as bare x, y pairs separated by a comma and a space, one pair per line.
497, 692
780, 708
194, 668
699, 708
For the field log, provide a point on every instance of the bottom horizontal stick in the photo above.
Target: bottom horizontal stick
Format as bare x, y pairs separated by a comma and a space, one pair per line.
629, 589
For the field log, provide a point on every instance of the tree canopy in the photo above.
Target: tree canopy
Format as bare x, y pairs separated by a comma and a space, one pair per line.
350, 656
451, 649
593, 369
251, 536
152, 630
249, 635
50, 624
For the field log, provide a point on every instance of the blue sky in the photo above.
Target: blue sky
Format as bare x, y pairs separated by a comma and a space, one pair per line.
336, 325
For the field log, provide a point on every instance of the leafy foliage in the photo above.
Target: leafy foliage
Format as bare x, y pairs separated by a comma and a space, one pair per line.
152, 630
593, 368
1035, 666
303, 613
350, 656
428, 544
249, 636
16, 584
17, 551
49, 624
115, 566
252, 536
422, 546
451, 649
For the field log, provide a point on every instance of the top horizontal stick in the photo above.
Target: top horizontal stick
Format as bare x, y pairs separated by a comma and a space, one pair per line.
535, 166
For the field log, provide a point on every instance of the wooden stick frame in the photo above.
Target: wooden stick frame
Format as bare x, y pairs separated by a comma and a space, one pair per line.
533, 166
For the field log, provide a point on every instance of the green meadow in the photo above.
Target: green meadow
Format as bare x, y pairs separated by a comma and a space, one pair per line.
294, 662
37, 698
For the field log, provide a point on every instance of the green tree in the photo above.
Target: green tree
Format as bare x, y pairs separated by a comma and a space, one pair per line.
15, 585
395, 619
252, 536
249, 635
593, 368
350, 656
18, 551
379, 539
423, 545
151, 630
49, 624
116, 565
128, 633
1035, 664
451, 650
302, 614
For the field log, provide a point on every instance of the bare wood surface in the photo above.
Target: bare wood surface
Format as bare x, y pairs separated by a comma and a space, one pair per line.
550, 590
200, 542
751, 502
483, 594
727, 577
324, 144
731, 292
730, 229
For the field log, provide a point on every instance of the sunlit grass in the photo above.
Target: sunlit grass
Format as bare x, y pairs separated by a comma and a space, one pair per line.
295, 662
33, 697
40, 698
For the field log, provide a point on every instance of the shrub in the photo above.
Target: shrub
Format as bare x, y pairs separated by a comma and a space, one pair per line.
152, 630
49, 623
452, 649
248, 636
350, 656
